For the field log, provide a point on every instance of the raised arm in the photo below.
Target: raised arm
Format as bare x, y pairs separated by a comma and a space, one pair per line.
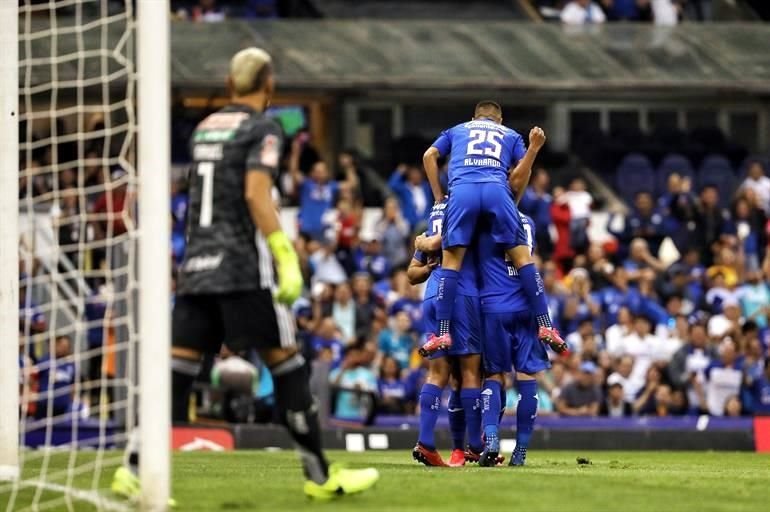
430, 161
519, 177
294, 170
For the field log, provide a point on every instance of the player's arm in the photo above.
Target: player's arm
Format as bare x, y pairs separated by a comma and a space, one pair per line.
262, 162
294, 170
442, 146
418, 271
428, 243
523, 168
518, 181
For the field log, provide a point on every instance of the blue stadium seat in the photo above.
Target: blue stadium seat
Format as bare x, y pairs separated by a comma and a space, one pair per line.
673, 163
716, 170
634, 174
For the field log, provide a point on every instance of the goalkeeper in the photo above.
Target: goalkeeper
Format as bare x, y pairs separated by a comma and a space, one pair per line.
227, 291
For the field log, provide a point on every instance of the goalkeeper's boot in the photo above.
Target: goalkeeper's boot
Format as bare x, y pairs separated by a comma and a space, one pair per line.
427, 456
551, 337
457, 459
519, 456
434, 344
341, 482
488, 457
126, 484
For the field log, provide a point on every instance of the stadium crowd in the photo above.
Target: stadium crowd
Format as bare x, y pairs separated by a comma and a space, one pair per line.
667, 315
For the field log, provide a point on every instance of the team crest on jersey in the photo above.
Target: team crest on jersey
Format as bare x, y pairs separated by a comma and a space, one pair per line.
270, 153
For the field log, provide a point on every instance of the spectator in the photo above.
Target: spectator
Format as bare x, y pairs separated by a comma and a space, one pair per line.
347, 224
579, 201
615, 405
393, 231
619, 295
665, 12
344, 313
644, 347
687, 368
757, 181
368, 310
750, 222
111, 208
354, 383
415, 198
560, 214
727, 323
644, 223
324, 264
760, 391
640, 259
712, 223
626, 10
31, 318
56, 373
755, 298
207, 12
599, 267
395, 341
646, 402
582, 12
582, 397
536, 203
391, 387
723, 378
622, 376
615, 334
317, 192
580, 303
327, 343
369, 258
585, 340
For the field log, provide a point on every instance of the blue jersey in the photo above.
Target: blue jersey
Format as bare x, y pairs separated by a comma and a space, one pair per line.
482, 151
501, 290
466, 285
315, 199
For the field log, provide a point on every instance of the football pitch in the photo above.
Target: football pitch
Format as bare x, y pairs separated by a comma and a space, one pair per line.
552, 481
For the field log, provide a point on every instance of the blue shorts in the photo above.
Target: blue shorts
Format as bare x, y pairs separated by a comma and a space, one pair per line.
471, 202
465, 327
511, 339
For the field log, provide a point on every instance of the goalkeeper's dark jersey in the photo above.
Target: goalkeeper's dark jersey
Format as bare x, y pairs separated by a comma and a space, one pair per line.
223, 252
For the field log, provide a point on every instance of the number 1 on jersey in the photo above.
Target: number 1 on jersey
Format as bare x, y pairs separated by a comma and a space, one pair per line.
206, 171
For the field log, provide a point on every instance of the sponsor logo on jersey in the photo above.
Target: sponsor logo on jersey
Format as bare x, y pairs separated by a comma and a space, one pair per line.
270, 154
207, 152
203, 263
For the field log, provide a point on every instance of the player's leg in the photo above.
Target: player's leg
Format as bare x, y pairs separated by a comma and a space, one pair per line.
470, 397
456, 415
508, 230
496, 349
430, 408
251, 319
459, 225
530, 358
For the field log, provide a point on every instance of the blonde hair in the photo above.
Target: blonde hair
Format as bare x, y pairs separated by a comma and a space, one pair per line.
247, 69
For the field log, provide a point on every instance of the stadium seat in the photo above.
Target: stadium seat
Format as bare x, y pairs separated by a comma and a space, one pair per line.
673, 163
716, 170
635, 174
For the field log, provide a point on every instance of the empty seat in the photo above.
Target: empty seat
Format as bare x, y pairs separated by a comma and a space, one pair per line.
635, 174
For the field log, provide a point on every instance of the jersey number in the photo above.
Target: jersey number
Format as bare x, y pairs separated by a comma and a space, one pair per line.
437, 224
530, 243
492, 139
206, 170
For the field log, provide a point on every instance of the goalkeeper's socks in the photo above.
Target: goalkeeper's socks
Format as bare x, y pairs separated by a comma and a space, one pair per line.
183, 374
456, 415
445, 298
470, 398
430, 407
526, 411
490, 403
532, 284
300, 414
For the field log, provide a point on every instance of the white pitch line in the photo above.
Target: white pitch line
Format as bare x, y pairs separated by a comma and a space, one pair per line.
92, 497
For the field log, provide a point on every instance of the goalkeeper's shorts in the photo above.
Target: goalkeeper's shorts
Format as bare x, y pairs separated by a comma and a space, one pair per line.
240, 320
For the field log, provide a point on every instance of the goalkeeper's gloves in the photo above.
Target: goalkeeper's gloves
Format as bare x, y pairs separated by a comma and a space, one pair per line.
287, 264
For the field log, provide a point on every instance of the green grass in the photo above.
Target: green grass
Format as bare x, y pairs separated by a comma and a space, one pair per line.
552, 481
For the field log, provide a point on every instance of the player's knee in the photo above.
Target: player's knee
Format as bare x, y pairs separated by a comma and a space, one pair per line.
497, 377
526, 376
438, 372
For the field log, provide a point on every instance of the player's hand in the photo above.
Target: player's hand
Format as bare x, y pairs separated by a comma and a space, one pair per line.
287, 265
536, 138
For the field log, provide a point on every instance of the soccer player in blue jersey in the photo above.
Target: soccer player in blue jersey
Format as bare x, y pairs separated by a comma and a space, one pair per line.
510, 338
461, 360
481, 153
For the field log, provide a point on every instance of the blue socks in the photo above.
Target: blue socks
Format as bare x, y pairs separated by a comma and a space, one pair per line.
430, 406
491, 404
456, 415
533, 287
470, 399
525, 413
445, 298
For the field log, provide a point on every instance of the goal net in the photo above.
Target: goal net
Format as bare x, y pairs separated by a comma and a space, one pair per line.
80, 243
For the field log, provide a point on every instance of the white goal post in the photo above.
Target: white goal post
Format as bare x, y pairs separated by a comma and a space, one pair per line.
63, 62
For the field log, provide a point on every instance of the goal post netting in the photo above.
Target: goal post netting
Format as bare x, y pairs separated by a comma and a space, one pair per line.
92, 214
